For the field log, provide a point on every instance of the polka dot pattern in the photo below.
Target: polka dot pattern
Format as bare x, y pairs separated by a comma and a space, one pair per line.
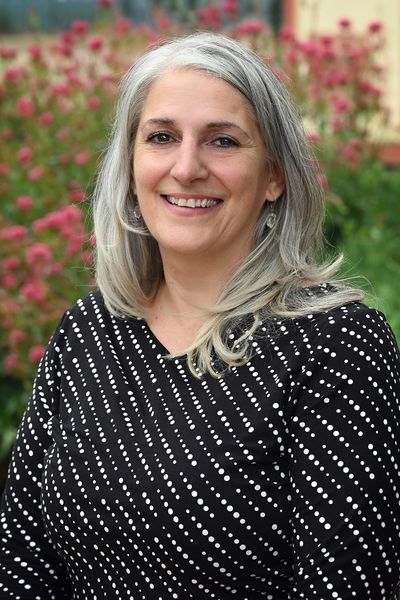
130, 479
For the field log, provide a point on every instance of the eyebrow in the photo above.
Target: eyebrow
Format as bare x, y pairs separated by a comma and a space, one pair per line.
210, 125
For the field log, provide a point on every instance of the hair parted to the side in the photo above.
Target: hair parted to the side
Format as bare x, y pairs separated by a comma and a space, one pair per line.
270, 281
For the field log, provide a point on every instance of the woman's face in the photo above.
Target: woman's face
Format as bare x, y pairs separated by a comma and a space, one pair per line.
200, 167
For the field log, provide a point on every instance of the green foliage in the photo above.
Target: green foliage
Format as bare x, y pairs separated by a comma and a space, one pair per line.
363, 222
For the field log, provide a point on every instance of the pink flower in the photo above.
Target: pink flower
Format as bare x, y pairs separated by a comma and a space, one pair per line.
122, 25
35, 51
38, 253
25, 106
286, 34
9, 280
13, 74
344, 23
24, 202
309, 47
63, 133
60, 89
11, 362
95, 43
93, 102
340, 105
15, 337
11, 262
46, 118
375, 26
104, 2
24, 154
78, 196
36, 173
34, 291
36, 353
82, 157
80, 27
231, 7
250, 26
14, 233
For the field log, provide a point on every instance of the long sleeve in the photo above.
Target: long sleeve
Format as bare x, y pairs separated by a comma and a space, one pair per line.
29, 566
345, 462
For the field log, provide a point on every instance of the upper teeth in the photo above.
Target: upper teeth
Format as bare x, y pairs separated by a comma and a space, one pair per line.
192, 202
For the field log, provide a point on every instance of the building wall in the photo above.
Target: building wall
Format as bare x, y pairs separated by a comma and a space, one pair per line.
321, 16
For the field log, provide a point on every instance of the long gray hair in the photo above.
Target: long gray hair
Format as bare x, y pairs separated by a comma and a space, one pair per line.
271, 279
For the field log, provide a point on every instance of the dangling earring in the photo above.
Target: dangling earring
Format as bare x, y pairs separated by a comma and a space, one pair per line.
272, 216
137, 215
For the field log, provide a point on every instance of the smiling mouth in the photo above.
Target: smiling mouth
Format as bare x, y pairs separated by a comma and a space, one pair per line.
193, 202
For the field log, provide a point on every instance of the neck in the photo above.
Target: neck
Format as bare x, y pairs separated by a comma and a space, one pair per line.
193, 285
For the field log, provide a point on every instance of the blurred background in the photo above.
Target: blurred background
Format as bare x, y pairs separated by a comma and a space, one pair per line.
60, 63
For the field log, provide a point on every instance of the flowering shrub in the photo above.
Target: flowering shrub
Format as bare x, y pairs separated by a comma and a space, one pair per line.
56, 100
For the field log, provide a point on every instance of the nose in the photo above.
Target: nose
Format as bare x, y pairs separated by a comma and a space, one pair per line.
189, 163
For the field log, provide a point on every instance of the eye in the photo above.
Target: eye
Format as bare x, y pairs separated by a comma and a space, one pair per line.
160, 137
225, 142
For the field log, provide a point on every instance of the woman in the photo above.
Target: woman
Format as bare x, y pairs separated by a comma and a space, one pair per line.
220, 419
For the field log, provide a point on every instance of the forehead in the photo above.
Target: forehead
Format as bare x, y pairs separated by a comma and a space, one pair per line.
200, 90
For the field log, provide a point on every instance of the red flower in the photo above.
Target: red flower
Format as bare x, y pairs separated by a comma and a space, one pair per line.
25, 106
80, 27
13, 74
286, 34
11, 362
95, 43
93, 102
24, 202
344, 23
11, 262
375, 26
24, 154
46, 118
9, 280
250, 26
36, 353
35, 51
104, 2
231, 7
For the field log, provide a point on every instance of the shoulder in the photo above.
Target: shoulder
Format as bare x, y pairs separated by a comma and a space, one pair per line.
351, 324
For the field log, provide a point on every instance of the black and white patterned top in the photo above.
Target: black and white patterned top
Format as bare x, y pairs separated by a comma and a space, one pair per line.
131, 479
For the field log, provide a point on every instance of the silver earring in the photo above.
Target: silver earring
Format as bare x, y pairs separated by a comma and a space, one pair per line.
272, 216
137, 215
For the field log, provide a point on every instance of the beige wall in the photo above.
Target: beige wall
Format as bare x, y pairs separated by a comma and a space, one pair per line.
321, 16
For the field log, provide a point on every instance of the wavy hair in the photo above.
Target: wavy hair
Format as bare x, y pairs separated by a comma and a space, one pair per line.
270, 281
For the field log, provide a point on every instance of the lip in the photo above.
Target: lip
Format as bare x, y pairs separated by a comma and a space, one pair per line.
196, 196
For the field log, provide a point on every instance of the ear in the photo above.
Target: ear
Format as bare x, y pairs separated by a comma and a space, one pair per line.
276, 184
